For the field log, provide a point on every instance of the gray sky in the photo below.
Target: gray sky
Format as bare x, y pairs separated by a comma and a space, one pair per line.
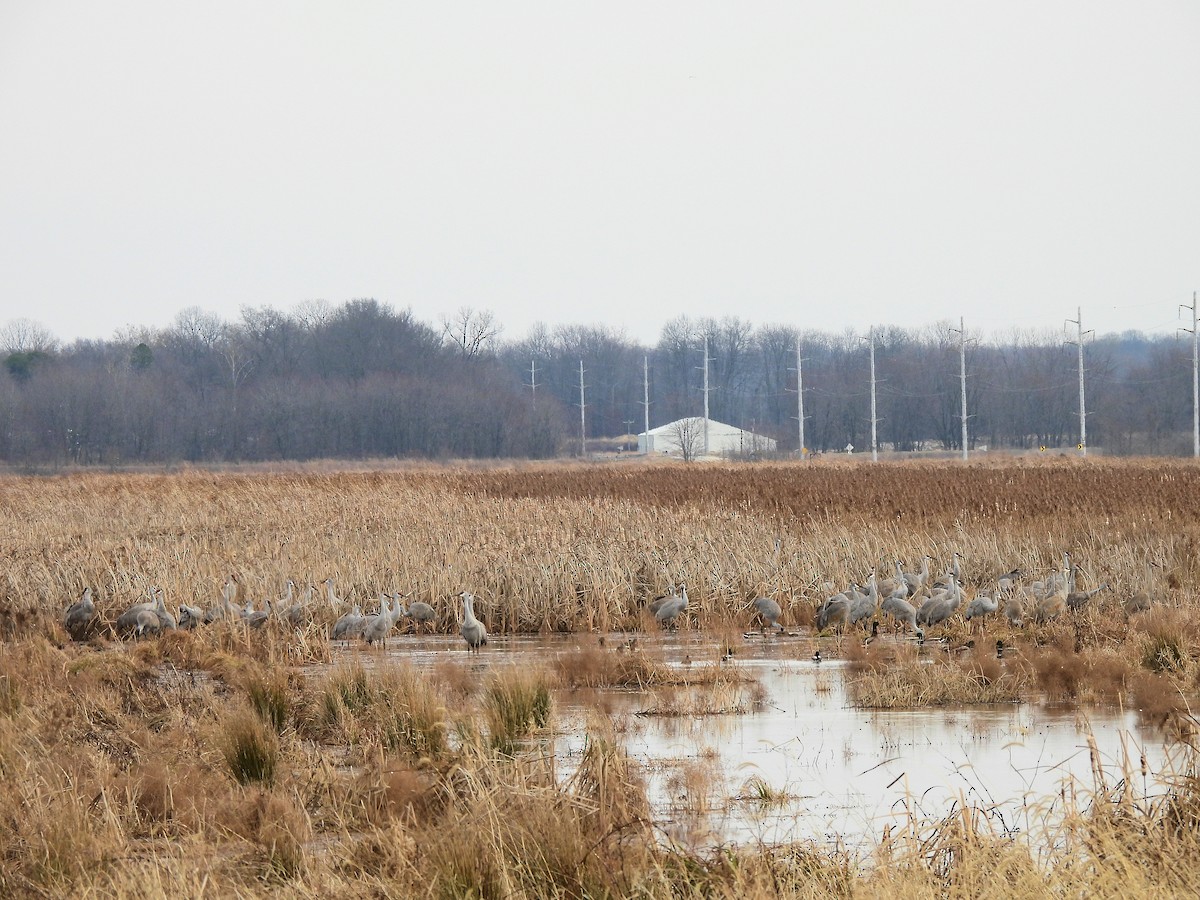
825, 165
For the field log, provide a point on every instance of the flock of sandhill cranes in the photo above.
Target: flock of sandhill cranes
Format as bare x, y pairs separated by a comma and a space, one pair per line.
910, 598
152, 617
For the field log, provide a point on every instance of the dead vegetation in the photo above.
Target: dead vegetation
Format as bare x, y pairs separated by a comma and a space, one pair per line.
220, 762
389, 782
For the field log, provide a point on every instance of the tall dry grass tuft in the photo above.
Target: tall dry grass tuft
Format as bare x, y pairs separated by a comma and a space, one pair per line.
249, 746
516, 703
610, 781
509, 829
597, 667
277, 824
1091, 675
909, 681
394, 707
270, 695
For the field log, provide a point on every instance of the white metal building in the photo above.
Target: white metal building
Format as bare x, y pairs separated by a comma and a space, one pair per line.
723, 440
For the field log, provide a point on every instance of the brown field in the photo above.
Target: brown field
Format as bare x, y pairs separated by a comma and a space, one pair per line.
221, 762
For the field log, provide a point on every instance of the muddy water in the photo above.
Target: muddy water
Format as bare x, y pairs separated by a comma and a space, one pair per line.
839, 774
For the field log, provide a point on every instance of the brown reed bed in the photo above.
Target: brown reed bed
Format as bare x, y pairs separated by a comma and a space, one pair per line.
221, 762
938, 679
168, 810
584, 547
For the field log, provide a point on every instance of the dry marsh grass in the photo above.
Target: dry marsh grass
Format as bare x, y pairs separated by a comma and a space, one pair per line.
153, 816
937, 680
221, 762
583, 547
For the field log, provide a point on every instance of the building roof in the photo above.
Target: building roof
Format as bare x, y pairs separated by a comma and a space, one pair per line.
698, 421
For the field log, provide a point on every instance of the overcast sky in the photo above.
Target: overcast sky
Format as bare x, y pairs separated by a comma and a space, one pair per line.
824, 165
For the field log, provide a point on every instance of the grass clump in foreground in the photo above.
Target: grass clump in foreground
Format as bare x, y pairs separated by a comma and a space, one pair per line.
912, 681
516, 704
250, 748
90, 815
393, 707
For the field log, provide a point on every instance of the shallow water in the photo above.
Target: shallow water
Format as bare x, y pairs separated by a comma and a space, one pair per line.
846, 774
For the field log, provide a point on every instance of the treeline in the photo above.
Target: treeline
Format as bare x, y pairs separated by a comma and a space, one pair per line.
366, 380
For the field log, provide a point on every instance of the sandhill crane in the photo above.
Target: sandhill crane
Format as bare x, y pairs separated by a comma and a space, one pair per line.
166, 621
863, 606
190, 616
981, 605
80, 616
769, 611
900, 610
1078, 599
288, 607
941, 605
259, 618
472, 629
917, 580
298, 613
952, 580
1051, 607
835, 611
140, 619
657, 603
224, 609
335, 602
1014, 611
668, 611
348, 626
421, 614
1009, 580
1137, 603
376, 627
1060, 580
890, 586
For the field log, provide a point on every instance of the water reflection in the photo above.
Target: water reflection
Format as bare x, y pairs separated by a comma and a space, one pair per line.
829, 771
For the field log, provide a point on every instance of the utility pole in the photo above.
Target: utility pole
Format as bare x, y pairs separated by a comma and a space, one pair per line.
1078, 322
706, 394
962, 375
800, 396
1195, 377
582, 415
646, 397
533, 380
874, 417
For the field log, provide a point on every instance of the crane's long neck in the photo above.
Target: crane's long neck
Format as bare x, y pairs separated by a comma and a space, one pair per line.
924, 569
329, 591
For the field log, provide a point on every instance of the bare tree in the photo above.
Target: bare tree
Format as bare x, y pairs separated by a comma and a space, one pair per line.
27, 336
688, 435
312, 314
470, 331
